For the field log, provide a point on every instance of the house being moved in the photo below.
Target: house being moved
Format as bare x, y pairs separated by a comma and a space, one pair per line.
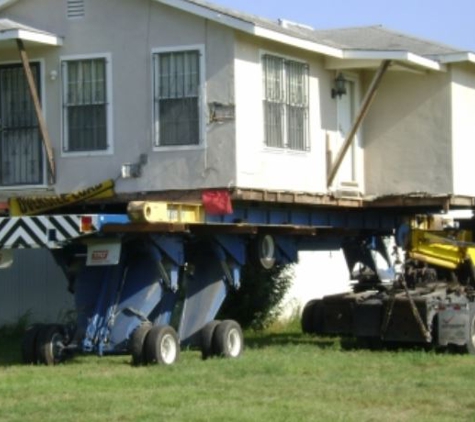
198, 96
171, 97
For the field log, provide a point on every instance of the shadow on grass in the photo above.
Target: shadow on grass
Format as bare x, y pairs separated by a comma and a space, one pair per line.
10, 344
10, 349
258, 340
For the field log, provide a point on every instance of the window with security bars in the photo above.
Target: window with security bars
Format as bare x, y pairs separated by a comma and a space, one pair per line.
285, 103
85, 105
177, 98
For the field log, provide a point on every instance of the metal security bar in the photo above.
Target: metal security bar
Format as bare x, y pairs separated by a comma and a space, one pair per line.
285, 103
21, 154
85, 105
177, 98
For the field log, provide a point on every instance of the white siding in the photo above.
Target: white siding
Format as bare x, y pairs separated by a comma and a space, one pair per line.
33, 286
317, 274
463, 129
407, 135
264, 168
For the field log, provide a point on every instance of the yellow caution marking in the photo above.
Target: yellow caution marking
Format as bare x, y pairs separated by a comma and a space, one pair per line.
33, 205
165, 212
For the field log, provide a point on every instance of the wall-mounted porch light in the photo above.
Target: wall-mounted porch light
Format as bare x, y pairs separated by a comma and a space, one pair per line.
340, 86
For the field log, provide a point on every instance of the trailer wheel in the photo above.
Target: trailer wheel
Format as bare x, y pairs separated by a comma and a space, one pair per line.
228, 340
137, 342
306, 320
266, 251
470, 346
52, 340
207, 333
162, 345
29, 344
312, 317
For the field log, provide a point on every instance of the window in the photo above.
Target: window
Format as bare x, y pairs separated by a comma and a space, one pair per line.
85, 105
285, 103
177, 98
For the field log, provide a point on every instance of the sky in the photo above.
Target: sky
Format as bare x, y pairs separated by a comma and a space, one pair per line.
450, 22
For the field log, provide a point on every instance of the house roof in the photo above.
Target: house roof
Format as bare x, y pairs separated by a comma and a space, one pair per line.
380, 38
10, 30
5, 3
359, 43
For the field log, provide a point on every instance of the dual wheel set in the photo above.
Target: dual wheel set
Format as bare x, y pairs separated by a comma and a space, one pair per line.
160, 344
48, 344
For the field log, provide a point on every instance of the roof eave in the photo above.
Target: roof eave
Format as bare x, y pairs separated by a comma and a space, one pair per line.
467, 56
252, 28
25, 35
6, 3
400, 56
297, 42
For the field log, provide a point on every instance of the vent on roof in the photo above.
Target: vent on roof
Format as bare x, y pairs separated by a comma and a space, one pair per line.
75, 9
284, 23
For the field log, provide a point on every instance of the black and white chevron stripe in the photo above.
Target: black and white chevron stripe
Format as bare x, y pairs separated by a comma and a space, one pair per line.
37, 232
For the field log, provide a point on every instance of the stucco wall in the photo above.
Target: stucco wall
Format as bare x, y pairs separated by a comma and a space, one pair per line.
265, 168
128, 31
407, 135
463, 128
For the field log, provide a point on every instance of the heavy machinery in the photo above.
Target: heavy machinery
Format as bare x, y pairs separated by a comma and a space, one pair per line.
151, 279
418, 289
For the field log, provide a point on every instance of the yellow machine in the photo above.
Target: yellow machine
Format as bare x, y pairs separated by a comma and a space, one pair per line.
430, 300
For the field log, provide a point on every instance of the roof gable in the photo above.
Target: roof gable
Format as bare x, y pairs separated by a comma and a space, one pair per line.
6, 3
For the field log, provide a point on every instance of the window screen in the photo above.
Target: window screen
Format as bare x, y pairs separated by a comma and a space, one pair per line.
85, 105
285, 103
177, 98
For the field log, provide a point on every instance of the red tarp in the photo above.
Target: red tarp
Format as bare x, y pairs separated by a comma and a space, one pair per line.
217, 202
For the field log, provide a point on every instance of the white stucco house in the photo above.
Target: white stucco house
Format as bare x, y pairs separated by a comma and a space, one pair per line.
198, 96
201, 96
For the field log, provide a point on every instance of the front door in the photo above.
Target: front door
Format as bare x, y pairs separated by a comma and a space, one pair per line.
21, 151
346, 110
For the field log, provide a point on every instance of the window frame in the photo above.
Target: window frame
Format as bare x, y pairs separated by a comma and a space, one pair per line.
65, 152
201, 100
285, 104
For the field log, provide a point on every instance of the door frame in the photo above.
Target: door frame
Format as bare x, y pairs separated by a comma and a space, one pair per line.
356, 149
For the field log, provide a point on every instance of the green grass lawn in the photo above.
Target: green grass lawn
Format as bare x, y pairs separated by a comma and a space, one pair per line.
282, 376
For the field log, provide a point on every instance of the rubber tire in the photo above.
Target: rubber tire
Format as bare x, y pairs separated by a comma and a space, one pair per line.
312, 317
29, 352
263, 251
48, 348
206, 341
306, 320
156, 341
318, 317
137, 343
228, 340
470, 346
